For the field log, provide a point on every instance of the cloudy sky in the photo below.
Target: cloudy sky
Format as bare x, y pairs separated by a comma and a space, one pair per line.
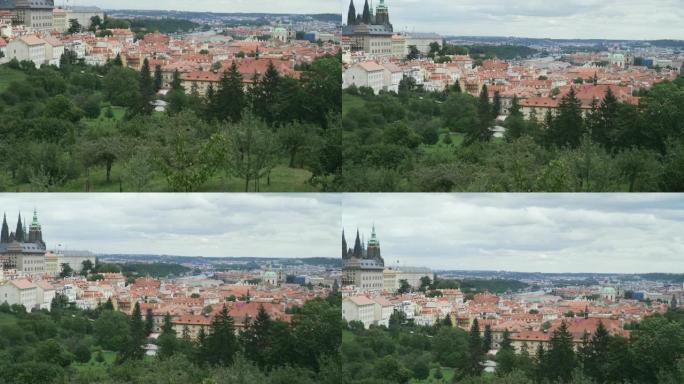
305, 225
265, 6
527, 233
613, 19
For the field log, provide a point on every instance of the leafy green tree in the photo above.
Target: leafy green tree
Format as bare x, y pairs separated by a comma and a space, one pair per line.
149, 321
112, 330
252, 150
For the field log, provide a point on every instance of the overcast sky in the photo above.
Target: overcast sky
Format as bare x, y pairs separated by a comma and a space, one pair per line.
287, 225
524, 232
612, 19
260, 6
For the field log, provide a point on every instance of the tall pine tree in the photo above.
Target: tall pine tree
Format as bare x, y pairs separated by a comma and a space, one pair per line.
476, 354
220, 345
561, 356
230, 98
568, 127
158, 80
146, 85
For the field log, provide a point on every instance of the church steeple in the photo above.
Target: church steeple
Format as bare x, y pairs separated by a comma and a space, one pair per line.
4, 235
358, 248
344, 246
366, 18
351, 15
35, 233
19, 232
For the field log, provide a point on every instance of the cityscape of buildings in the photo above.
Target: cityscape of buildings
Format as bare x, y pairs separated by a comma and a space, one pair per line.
374, 292
39, 32
32, 276
377, 57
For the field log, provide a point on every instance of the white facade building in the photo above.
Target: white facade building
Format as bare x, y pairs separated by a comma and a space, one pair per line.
20, 291
366, 74
359, 308
31, 48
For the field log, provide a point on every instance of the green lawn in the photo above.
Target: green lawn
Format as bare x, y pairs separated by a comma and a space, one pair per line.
283, 179
8, 75
447, 377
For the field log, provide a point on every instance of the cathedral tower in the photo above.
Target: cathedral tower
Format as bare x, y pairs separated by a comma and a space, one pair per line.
366, 18
344, 246
4, 235
19, 232
382, 14
373, 250
351, 15
35, 234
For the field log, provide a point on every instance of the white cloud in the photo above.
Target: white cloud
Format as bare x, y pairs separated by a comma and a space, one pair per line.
531, 232
262, 6
612, 19
279, 225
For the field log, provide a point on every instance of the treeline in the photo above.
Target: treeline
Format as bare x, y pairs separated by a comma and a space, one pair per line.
479, 52
404, 352
412, 142
68, 345
61, 126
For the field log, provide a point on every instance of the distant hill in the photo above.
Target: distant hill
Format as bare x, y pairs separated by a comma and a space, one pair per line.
324, 261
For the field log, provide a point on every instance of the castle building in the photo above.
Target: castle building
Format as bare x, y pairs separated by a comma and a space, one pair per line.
368, 32
22, 250
33, 14
363, 266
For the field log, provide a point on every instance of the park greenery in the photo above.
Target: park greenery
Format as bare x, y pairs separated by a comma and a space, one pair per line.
84, 128
441, 141
407, 353
68, 345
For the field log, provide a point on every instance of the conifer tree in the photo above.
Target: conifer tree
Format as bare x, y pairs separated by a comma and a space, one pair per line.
256, 338
561, 356
230, 97
568, 126
475, 348
149, 321
176, 82
496, 105
134, 347
487, 339
158, 80
221, 343
609, 117
146, 85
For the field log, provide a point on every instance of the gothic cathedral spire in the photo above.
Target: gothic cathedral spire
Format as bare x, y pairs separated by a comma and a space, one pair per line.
366, 14
4, 235
351, 15
19, 232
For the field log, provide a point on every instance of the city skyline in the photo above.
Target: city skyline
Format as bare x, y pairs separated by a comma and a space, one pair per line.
537, 233
237, 6
278, 225
575, 19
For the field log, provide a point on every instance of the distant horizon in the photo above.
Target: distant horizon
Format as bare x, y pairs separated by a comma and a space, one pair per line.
548, 233
572, 19
241, 6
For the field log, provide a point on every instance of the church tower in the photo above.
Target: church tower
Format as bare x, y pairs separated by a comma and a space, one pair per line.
382, 14
373, 250
351, 15
19, 232
35, 234
366, 18
4, 235
344, 246
358, 248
